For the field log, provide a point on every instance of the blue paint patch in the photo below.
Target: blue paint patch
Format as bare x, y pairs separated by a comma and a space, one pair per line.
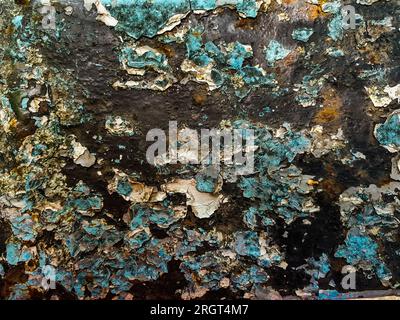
17, 21
23, 227
388, 133
247, 244
124, 188
360, 249
275, 51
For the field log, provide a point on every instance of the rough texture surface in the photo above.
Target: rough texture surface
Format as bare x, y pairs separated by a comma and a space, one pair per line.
76, 191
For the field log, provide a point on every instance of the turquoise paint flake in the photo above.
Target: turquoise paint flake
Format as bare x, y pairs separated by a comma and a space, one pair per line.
320, 267
142, 217
362, 250
17, 21
137, 240
334, 52
282, 192
86, 204
250, 217
249, 277
23, 227
335, 25
253, 214
237, 55
228, 61
358, 248
124, 188
265, 110
332, 7
388, 133
275, 51
248, 8
255, 76
335, 28
148, 60
214, 52
203, 4
331, 295
302, 34
247, 244
205, 183
193, 42
310, 88
139, 18
13, 253
163, 218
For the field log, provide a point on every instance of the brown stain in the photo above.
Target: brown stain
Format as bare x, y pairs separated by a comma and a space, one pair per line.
327, 114
246, 24
376, 55
331, 187
199, 98
16, 274
166, 49
8, 31
284, 67
330, 184
22, 2
330, 112
289, 60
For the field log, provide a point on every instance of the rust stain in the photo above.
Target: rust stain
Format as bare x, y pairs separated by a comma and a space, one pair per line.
315, 10
332, 104
199, 98
166, 49
332, 188
246, 24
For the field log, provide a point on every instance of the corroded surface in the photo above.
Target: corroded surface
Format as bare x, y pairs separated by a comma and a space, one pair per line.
76, 191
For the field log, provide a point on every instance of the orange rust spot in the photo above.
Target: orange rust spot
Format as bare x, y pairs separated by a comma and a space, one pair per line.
332, 104
166, 49
312, 182
199, 98
375, 55
13, 123
315, 10
326, 115
383, 181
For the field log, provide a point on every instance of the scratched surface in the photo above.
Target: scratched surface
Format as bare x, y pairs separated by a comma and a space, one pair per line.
82, 210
